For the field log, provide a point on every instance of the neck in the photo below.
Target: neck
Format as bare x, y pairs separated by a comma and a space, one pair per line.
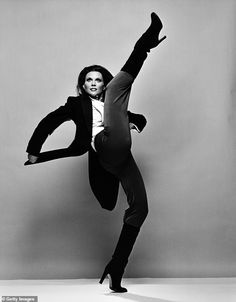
97, 98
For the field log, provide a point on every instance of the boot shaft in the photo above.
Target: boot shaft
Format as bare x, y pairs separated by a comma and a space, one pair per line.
125, 243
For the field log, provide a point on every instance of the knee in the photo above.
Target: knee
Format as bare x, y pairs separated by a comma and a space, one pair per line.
140, 216
136, 219
144, 212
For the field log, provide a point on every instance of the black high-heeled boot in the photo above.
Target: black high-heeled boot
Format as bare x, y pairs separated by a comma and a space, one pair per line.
115, 268
114, 271
148, 40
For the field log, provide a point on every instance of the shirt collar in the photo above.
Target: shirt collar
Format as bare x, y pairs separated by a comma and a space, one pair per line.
97, 100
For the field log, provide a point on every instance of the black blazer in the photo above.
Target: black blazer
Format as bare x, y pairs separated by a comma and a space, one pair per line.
79, 109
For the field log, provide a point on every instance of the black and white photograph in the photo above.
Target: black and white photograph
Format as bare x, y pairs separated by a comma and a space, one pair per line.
118, 153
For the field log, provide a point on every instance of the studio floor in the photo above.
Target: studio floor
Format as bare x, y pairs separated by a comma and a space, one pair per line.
139, 290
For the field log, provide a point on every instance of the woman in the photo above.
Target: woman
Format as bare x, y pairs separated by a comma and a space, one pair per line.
103, 128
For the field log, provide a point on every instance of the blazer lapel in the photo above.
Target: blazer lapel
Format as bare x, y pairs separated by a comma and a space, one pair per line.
87, 111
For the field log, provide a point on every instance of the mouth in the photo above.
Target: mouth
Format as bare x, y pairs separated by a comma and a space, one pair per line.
93, 89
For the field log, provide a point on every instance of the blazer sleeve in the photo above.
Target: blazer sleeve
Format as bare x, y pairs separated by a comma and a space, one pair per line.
138, 120
47, 125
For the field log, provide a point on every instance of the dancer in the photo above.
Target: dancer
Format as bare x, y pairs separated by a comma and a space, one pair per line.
103, 128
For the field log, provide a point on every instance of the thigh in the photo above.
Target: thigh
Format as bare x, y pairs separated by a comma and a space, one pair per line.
114, 142
133, 185
132, 182
117, 90
116, 121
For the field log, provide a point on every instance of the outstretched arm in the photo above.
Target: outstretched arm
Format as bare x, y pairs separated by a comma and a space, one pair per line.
46, 127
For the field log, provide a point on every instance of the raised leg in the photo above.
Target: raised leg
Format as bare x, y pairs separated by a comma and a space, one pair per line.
148, 40
114, 142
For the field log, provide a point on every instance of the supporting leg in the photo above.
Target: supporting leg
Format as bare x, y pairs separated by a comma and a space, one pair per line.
115, 268
133, 185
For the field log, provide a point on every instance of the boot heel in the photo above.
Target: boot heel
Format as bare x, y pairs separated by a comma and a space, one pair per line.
103, 276
114, 280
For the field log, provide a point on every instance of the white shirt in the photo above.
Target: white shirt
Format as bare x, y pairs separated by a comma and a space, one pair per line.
98, 119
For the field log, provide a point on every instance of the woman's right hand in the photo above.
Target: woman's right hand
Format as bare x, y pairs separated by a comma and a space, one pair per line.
32, 158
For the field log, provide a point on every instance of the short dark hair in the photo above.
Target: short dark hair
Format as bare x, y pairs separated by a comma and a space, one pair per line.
107, 76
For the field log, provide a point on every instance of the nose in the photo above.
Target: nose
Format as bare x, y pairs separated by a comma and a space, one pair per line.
93, 83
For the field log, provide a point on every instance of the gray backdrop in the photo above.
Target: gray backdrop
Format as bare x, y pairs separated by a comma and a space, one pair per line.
51, 226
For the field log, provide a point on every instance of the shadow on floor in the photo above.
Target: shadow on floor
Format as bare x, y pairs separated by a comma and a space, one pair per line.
138, 298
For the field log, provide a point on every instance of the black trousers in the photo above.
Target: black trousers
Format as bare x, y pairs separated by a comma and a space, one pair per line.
113, 146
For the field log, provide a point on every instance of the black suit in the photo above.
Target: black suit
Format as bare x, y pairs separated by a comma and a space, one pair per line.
104, 184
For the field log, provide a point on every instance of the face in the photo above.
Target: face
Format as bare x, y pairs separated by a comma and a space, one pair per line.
94, 84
